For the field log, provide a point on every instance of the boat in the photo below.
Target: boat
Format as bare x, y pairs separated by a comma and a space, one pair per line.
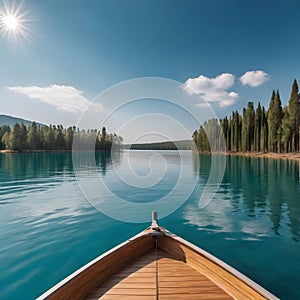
156, 264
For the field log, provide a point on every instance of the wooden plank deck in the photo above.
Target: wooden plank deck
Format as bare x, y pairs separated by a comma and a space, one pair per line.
169, 277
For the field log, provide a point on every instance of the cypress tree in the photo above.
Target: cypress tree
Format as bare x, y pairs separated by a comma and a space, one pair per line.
103, 136
250, 115
244, 130
236, 131
232, 135
274, 121
264, 131
248, 127
238, 140
225, 125
194, 136
294, 112
271, 137
286, 131
257, 128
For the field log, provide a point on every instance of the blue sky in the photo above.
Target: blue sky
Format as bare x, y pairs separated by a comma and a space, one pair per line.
77, 49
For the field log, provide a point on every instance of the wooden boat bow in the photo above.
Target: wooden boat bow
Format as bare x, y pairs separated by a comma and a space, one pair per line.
157, 264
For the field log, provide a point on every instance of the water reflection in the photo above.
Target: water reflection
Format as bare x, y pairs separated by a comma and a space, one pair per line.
103, 160
139, 182
49, 229
261, 189
34, 165
22, 174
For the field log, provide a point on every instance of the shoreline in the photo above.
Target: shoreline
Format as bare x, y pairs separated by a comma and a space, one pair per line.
33, 151
289, 156
45, 151
285, 156
8, 151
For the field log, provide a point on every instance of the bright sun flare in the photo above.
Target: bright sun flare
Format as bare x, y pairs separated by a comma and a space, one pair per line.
13, 21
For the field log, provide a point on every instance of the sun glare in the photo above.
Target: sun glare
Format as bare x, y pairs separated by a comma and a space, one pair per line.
13, 21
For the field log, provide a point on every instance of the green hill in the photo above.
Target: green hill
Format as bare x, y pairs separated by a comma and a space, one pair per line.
11, 121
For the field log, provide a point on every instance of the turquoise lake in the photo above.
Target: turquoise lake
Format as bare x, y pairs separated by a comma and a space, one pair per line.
48, 228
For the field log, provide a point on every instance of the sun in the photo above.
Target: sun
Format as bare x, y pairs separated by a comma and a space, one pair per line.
13, 21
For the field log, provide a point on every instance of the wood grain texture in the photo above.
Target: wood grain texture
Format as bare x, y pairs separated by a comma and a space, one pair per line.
231, 284
100, 270
188, 283
176, 270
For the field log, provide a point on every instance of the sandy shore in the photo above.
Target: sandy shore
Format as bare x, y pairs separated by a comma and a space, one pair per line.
8, 151
293, 156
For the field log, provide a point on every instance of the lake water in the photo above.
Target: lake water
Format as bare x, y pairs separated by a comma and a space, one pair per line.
48, 228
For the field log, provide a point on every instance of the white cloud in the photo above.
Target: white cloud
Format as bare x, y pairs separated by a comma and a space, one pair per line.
63, 97
204, 104
213, 89
254, 78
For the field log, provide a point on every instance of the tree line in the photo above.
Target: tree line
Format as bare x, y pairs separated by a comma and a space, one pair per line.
276, 129
55, 138
175, 145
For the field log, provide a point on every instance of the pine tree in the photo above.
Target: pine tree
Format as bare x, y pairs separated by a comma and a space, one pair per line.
3, 130
59, 138
6, 140
32, 137
68, 137
18, 137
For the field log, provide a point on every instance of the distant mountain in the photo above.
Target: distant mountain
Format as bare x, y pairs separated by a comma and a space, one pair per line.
176, 145
11, 121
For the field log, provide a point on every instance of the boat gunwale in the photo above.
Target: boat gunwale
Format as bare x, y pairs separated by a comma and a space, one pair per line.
79, 271
252, 284
163, 232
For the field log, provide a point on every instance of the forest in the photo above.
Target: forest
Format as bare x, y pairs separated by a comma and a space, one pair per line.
55, 138
276, 129
175, 145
